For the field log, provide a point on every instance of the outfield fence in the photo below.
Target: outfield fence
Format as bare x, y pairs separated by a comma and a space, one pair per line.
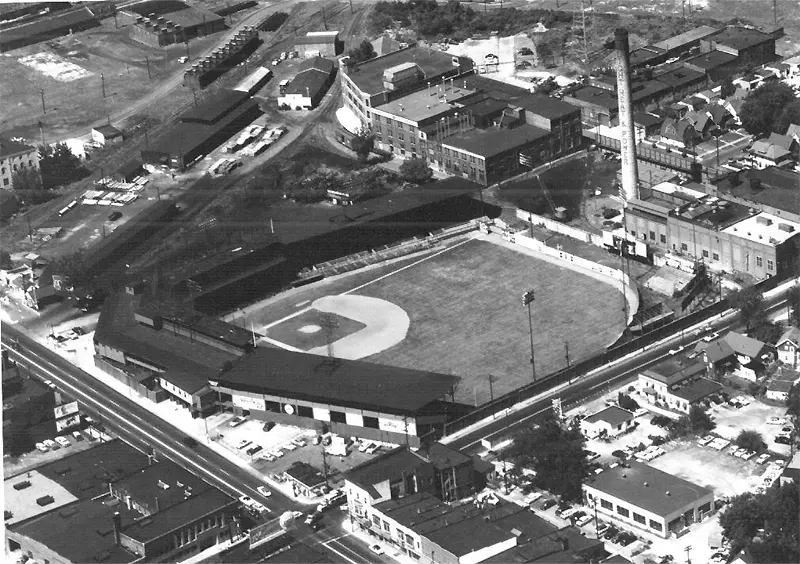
558, 227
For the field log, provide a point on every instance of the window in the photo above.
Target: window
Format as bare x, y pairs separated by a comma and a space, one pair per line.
622, 511
370, 422
605, 504
337, 417
655, 525
705, 253
401, 135
639, 518
715, 256
386, 526
30, 162
684, 247
652, 235
3, 170
759, 262
304, 411
770, 265
633, 232
14, 167
376, 521
5, 182
409, 540
663, 238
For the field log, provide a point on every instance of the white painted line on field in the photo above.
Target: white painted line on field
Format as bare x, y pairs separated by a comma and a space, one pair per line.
282, 345
434, 255
301, 304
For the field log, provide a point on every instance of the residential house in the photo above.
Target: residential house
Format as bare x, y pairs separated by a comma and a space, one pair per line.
679, 132
609, 422
751, 355
721, 116
702, 123
778, 389
794, 132
767, 153
15, 155
789, 348
677, 383
786, 142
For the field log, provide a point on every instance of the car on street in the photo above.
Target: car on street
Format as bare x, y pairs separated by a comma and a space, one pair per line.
376, 548
297, 514
316, 525
547, 504
41, 447
189, 442
312, 517
246, 500
114, 216
63, 441
264, 491
258, 508
183, 59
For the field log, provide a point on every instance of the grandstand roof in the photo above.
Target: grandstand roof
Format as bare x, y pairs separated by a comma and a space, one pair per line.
351, 383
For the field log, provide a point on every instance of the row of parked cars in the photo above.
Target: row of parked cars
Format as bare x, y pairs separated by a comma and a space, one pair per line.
58, 442
64, 336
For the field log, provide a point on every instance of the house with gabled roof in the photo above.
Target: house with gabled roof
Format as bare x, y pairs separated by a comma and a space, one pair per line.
751, 355
789, 348
679, 132
609, 422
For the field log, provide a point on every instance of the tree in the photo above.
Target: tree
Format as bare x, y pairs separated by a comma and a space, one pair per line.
767, 332
727, 89
364, 52
27, 183
793, 300
59, 166
750, 439
793, 401
750, 304
416, 171
5, 260
696, 422
768, 107
362, 143
627, 402
74, 268
741, 520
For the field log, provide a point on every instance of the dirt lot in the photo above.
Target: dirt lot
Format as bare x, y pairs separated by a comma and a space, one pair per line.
730, 421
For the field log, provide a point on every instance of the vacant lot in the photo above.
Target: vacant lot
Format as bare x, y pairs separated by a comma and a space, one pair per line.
730, 421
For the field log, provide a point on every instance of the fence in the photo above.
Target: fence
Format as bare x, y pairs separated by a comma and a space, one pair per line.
563, 229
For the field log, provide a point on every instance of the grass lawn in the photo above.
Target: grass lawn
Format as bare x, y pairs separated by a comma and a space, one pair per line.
467, 317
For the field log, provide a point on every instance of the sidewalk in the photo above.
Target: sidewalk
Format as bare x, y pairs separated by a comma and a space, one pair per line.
388, 548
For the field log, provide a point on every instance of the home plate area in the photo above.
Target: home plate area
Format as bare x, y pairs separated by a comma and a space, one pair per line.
354, 326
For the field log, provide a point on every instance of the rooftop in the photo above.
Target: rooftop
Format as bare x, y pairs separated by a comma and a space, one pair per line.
792, 334
351, 383
716, 350
545, 106
9, 147
214, 106
385, 467
643, 486
711, 212
193, 508
711, 60
612, 415
86, 474
188, 364
368, 76
306, 474
741, 37
62, 20
493, 141
93, 519
764, 228
458, 529
317, 63
24, 503
252, 79
596, 96
643, 55
443, 456
673, 369
307, 83
776, 187
780, 386
426, 104
160, 486
686, 38
744, 345
677, 78
696, 389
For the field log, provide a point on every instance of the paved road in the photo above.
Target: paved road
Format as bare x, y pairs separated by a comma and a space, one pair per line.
144, 429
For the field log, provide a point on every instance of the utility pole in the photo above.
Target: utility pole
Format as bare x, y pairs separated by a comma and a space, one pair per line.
44, 109
147, 61
687, 549
527, 300
41, 133
324, 20
103, 84
351, 6
566, 352
30, 229
194, 95
187, 49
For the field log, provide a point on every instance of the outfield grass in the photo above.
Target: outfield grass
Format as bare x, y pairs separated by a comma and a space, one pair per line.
467, 317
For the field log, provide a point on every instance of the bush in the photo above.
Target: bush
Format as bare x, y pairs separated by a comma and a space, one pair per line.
619, 454
626, 402
750, 439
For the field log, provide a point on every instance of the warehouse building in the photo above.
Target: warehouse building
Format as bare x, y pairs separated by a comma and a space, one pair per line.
202, 129
640, 496
349, 397
308, 87
771, 190
14, 156
748, 45
175, 23
319, 44
43, 29
255, 81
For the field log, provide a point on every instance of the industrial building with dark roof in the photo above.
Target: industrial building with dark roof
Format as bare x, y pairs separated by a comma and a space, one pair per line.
644, 497
309, 86
127, 507
42, 29
351, 397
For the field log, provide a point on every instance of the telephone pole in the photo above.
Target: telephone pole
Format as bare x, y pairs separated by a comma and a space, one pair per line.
103, 84
44, 109
147, 62
527, 300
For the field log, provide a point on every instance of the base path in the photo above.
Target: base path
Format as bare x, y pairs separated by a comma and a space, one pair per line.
386, 325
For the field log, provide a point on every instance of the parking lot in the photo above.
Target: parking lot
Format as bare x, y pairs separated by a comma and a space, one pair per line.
294, 444
730, 421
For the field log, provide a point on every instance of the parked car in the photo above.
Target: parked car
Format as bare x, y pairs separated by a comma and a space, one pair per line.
247, 501
783, 439
236, 421
762, 459
548, 503
258, 508
264, 491
63, 441
776, 420
268, 426
626, 538
611, 533
78, 436
42, 447
254, 449
376, 548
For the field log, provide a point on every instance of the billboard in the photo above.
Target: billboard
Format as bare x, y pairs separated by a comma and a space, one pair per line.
66, 409
68, 422
246, 402
266, 532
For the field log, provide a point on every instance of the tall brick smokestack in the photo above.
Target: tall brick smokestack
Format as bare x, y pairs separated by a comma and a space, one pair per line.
630, 173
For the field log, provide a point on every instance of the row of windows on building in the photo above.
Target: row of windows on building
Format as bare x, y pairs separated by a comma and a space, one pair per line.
399, 533
336, 416
625, 512
190, 534
706, 254
14, 168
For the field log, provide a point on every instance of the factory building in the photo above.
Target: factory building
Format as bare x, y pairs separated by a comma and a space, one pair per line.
159, 29
319, 44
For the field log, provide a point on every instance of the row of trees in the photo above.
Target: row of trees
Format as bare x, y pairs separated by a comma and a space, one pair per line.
57, 166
